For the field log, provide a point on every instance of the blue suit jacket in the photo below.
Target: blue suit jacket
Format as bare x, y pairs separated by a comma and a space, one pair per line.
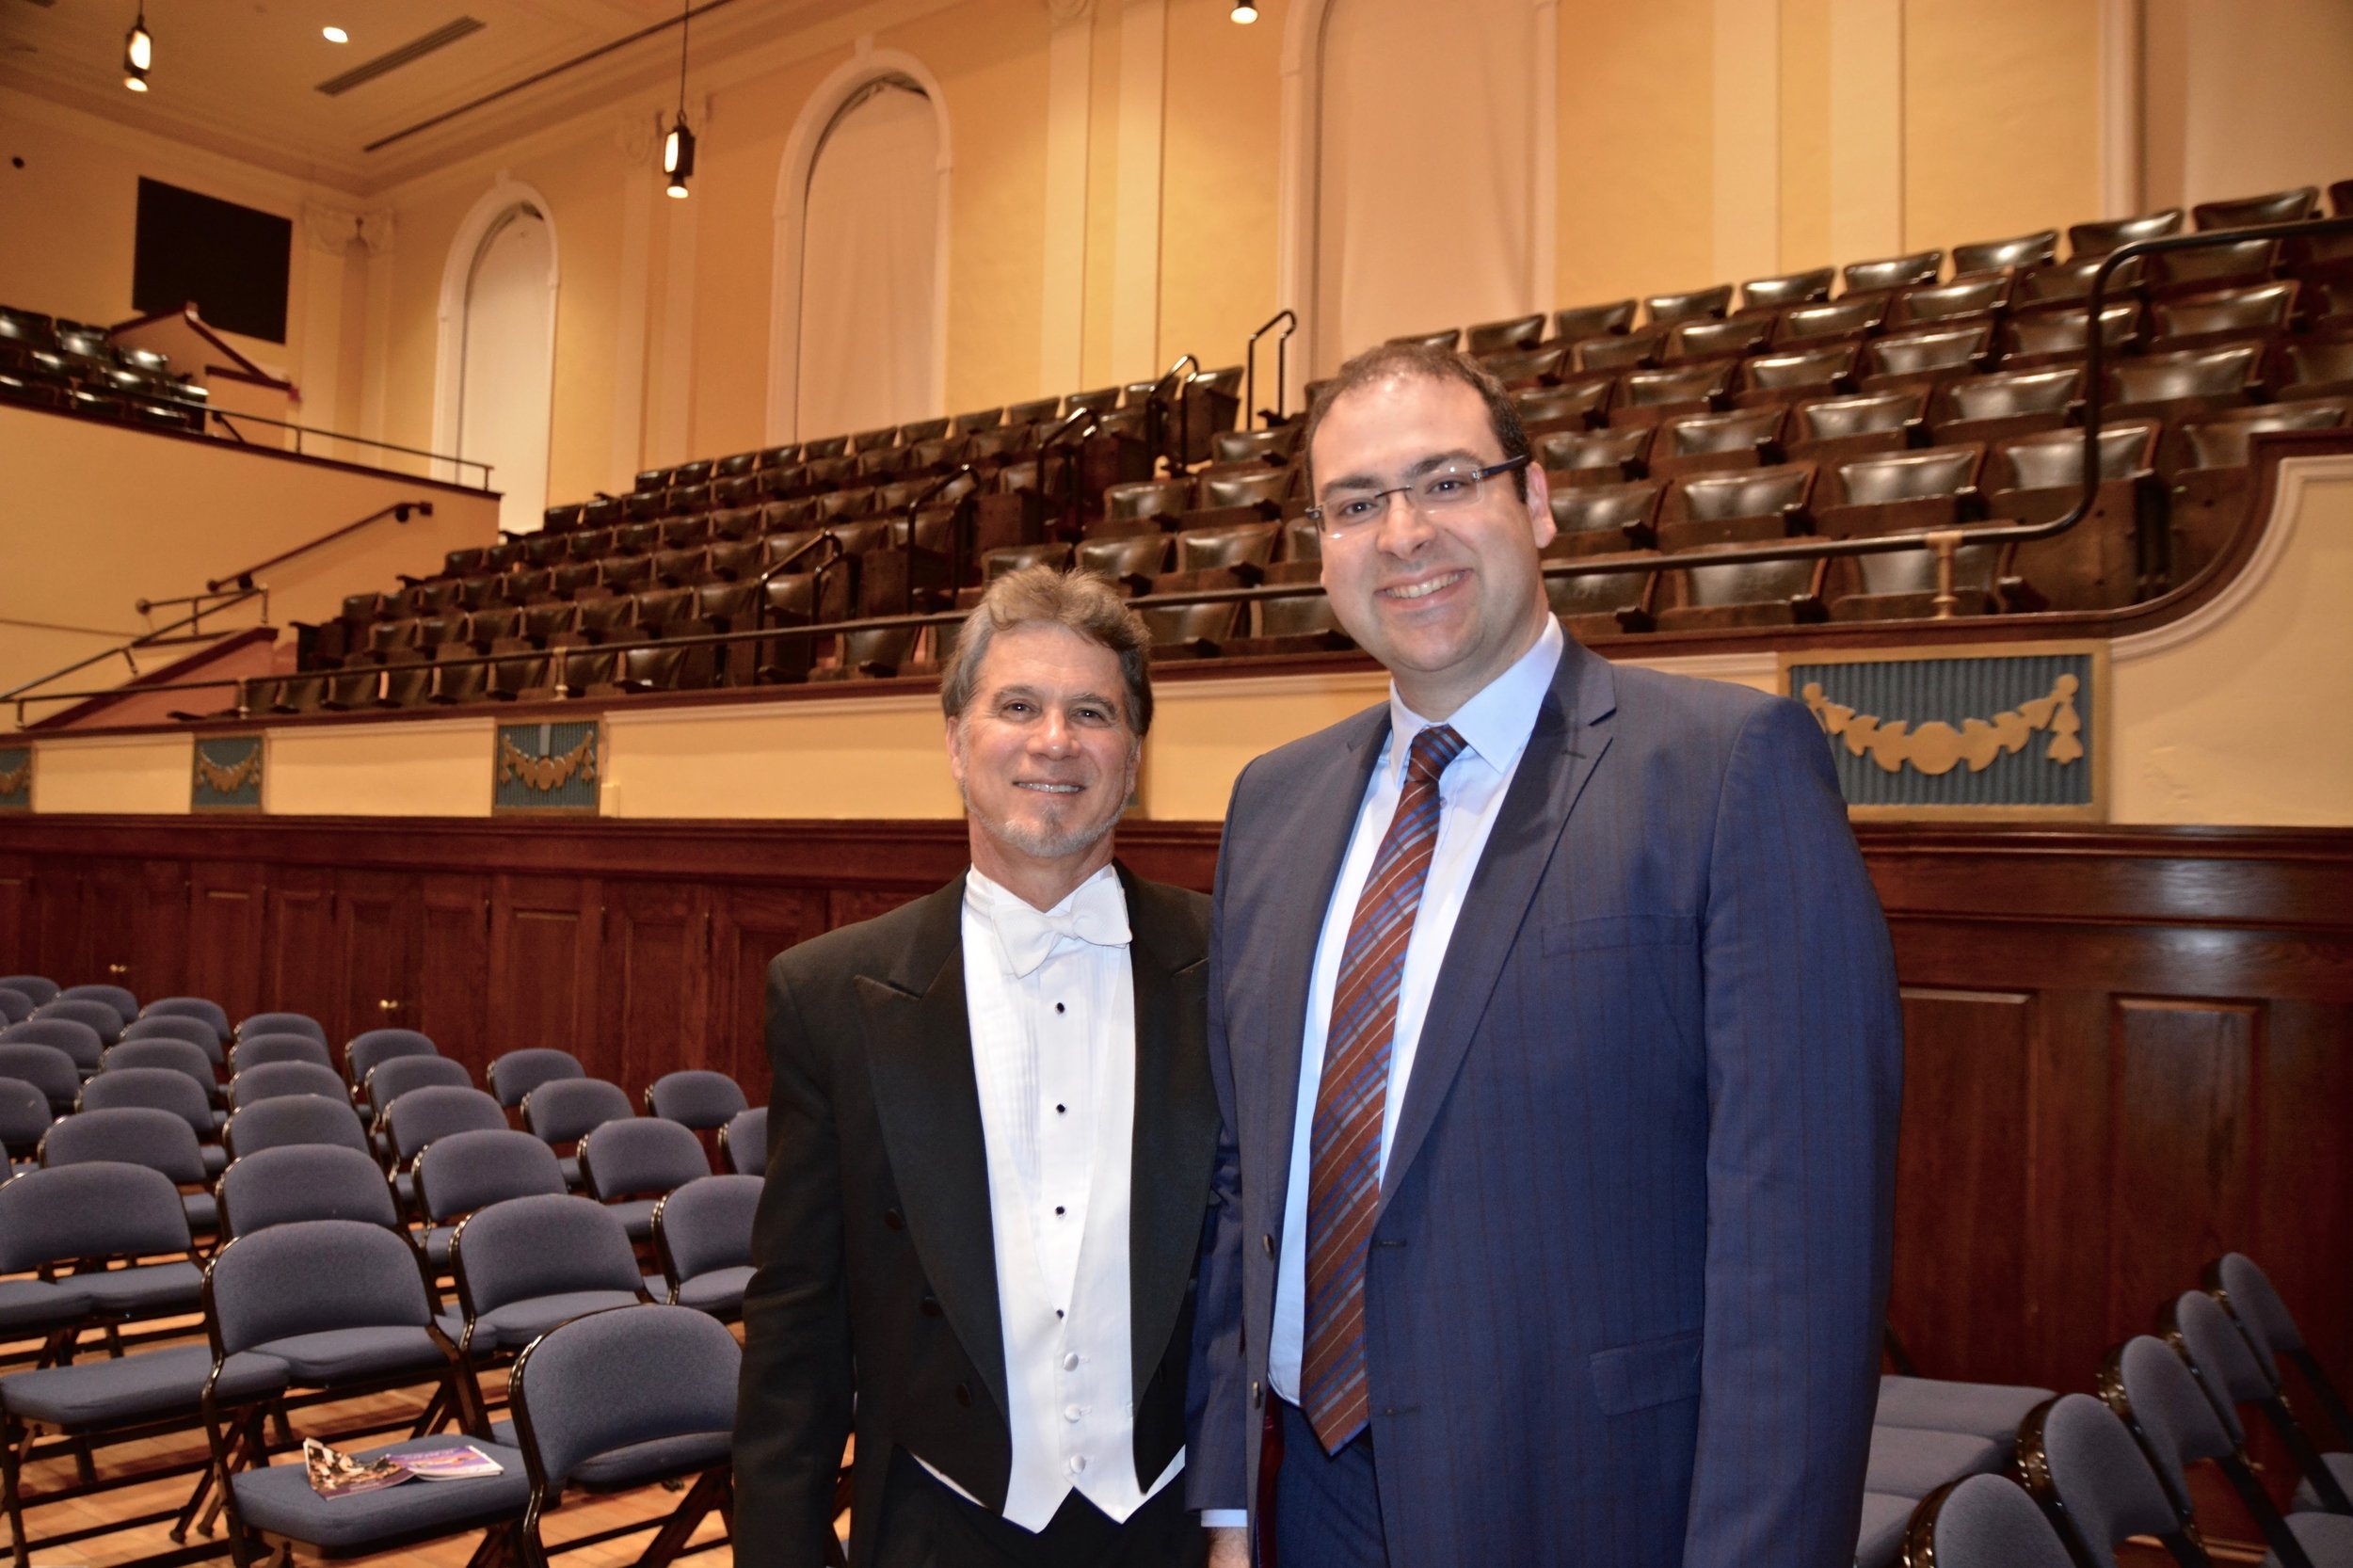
1625, 1291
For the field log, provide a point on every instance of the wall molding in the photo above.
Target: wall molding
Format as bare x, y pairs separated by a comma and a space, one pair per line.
449, 361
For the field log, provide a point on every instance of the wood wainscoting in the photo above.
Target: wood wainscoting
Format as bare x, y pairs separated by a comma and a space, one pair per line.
2127, 1049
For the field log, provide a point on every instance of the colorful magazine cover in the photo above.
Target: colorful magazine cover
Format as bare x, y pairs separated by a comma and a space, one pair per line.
336, 1474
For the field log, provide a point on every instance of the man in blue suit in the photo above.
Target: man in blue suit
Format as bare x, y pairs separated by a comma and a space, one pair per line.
1554, 1026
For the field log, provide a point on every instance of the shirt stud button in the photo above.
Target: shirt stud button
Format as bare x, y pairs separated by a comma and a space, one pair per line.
1058, 1007
1078, 1465
1059, 1210
1061, 1111
1070, 1359
1070, 1412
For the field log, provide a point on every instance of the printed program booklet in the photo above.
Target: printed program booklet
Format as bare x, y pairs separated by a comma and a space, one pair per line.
336, 1474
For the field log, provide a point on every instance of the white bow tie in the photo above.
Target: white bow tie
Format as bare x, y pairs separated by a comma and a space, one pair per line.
1095, 914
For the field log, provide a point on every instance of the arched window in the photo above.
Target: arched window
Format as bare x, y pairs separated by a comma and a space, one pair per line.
1425, 169
494, 388
868, 298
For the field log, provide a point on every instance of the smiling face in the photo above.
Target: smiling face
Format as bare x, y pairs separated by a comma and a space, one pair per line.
1447, 604
1045, 759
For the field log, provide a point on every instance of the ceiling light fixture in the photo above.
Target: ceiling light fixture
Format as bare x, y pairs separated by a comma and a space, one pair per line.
335, 35
138, 52
1245, 14
678, 148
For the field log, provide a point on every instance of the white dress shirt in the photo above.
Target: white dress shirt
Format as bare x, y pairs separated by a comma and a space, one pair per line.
1494, 725
1054, 1055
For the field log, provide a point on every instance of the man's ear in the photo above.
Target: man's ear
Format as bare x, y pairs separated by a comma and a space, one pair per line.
955, 749
1539, 507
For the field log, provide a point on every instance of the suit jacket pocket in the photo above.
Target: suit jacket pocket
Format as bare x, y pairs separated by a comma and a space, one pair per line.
1647, 1372
1620, 930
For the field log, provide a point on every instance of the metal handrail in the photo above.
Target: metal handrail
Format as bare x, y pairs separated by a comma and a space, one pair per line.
122, 651
399, 511
1156, 409
1282, 373
228, 418
1092, 421
955, 534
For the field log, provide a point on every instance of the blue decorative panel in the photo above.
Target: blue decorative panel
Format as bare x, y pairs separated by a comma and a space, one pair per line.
548, 767
2006, 733
228, 774
16, 778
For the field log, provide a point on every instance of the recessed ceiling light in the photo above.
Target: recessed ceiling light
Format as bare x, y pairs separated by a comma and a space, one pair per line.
336, 35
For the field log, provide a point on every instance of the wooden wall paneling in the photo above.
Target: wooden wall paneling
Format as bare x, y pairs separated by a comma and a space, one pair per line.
61, 934
1957, 1298
16, 892
453, 971
226, 930
656, 972
849, 905
2304, 1108
545, 938
2067, 1218
751, 925
2184, 1146
299, 952
378, 921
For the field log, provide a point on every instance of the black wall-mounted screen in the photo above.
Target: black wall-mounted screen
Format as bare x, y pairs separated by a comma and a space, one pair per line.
232, 261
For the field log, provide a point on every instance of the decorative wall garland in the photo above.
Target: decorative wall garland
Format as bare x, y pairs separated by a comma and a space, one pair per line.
1937, 748
547, 775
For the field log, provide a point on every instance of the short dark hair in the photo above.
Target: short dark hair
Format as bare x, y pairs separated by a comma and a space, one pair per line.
1409, 360
1074, 600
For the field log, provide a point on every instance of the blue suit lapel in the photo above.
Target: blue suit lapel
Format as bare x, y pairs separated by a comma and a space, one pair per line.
1572, 731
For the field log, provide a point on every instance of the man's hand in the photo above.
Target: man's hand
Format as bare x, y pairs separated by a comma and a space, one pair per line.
1229, 1548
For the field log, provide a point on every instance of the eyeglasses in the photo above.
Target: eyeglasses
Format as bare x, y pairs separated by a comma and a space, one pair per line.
1451, 487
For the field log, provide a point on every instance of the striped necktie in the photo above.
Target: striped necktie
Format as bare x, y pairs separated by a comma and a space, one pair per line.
1344, 1152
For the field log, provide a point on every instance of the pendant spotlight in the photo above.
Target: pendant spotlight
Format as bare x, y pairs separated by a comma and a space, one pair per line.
1244, 12
678, 148
138, 52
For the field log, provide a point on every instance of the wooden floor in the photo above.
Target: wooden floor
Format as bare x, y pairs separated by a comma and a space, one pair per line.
580, 1516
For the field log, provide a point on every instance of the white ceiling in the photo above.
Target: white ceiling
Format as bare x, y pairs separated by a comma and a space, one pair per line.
240, 77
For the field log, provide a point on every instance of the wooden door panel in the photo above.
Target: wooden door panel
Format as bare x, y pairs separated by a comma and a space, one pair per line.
849, 905
377, 920
16, 899
1960, 1185
453, 980
60, 941
657, 969
2184, 1147
225, 934
753, 926
298, 972
544, 946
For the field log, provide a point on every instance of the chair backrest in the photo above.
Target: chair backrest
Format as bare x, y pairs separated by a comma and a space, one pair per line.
1790, 288
2013, 393
152, 1024
2054, 458
291, 1120
15, 1006
2186, 372
615, 1379
81, 1044
24, 1115
1830, 419
2096, 1475
204, 1008
1894, 272
1746, 493
515, 1074
177, 1056
467, 1171
130, 1135
2152, 1388
2034, 249
2221, 440
378, 1046
743, 1142
45, 1067
97, 1015
155, 1088
312, 1276
281, 1023
39, 988
127, 1006
1983, 1522
422, 1115
303, 1182
1698, 435
268, 1049
696, 1096
388, 1081
640, 1154
65, 1214
1592, 321
706, 1224
568, 1108
2248, 1292
1666, 309
279, 1079
1910, 475
2204, 1333
2099, 238
540, 1246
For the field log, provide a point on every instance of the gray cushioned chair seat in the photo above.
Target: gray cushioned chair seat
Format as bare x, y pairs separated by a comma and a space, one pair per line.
1908, 1462
1988, 1410
518, 1323
640, 1462
149, 1288
33, 1304
636, 1217
216, 1158
134, 1387
280, 1501
2341, 1466
720, 1291
1882, 1529
2326, 1539
332, 1355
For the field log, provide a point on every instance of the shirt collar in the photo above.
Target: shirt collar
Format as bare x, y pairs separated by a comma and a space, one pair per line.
985, 898
1496, 722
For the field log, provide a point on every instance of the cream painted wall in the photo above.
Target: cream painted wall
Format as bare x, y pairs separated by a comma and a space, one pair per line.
1636, 144
377, 770
1218, 174
886, 755
134, 775
158, 516
2244, 99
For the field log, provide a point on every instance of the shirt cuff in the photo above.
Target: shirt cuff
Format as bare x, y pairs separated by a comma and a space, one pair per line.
1225, 1518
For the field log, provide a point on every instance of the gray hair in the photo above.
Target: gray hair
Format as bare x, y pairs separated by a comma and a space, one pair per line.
1075, 600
